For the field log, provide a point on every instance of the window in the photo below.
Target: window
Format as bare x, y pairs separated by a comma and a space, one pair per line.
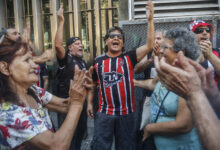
46, 23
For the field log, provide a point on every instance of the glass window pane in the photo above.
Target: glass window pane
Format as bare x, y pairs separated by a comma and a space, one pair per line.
10, 8
85, 32
66, 28
104, 24
28, 16
104, 3
83, 5
115, 17
11, 22
45, 6
27, 7
65, 5
47, 32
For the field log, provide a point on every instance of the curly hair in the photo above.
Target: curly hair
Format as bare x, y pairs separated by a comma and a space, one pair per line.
184, 39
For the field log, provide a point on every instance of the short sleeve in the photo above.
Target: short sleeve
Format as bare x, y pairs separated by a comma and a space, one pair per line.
19, 124
133, 56
62, 62
45, 97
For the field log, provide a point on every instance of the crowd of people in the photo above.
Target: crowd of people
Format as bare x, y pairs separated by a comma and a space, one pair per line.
181, 78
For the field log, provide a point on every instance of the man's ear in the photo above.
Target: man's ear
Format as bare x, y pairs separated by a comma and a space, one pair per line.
4, 68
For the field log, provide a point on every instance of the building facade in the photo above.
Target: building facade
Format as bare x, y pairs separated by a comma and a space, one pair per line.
90, 19
87, 19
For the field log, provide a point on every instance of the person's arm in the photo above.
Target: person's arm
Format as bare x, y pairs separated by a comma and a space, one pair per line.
143, 64
206, 121
90, 112
206, 47
60, 51
182, 124
58, 104
148, 84
145, 49
47, 55
63, 137
45, 80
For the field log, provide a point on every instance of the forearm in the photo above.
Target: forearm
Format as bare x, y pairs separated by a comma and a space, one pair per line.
206, 121
56, 108
59, 41
141, 66
58, 104
62, 138
168, 128
90, 96
150, 34
148, 47
148, 84
46, 56
66, 131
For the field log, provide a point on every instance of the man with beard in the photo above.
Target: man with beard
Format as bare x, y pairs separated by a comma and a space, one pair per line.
67, 59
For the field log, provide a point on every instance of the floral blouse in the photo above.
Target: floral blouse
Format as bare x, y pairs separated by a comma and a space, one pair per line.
19, 124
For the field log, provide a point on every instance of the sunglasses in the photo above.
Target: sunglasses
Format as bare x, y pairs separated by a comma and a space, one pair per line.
112, 36
201, 30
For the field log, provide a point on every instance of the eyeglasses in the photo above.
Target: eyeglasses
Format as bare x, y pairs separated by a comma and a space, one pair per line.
112, 36
201, 30
164, 47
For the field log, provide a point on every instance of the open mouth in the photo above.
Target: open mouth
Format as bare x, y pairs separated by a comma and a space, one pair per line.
115, 43
204, 39
80, 49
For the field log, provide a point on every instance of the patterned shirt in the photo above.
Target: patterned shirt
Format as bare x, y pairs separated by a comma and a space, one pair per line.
19, 124
115, 81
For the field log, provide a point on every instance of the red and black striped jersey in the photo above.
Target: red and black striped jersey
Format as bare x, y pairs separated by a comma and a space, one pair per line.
115, 81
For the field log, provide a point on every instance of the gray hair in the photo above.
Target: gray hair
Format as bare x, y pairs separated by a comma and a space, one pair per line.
184, 39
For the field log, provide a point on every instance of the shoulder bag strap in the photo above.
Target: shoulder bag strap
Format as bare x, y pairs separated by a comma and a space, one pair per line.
161, 106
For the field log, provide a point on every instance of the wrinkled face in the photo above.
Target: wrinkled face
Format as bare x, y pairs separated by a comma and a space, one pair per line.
76, 49
169, 53
22, 69
115, 42
202, 33
158, 39
13, 34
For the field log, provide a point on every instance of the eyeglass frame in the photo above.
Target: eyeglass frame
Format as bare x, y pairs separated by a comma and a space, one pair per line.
201, 30
112, 36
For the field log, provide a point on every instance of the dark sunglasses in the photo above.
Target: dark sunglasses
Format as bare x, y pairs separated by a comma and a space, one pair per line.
201, 30
112, 36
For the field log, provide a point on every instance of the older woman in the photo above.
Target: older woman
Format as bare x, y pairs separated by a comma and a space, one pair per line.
174, 127
24, 122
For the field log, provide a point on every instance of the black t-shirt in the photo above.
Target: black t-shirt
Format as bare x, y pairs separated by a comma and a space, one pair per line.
65, 73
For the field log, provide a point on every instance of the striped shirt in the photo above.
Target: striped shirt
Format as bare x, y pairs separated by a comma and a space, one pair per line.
115, 81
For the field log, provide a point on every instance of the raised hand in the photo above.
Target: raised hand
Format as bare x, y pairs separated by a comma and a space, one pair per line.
60, 13
149, 10
26, 32
206, 47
